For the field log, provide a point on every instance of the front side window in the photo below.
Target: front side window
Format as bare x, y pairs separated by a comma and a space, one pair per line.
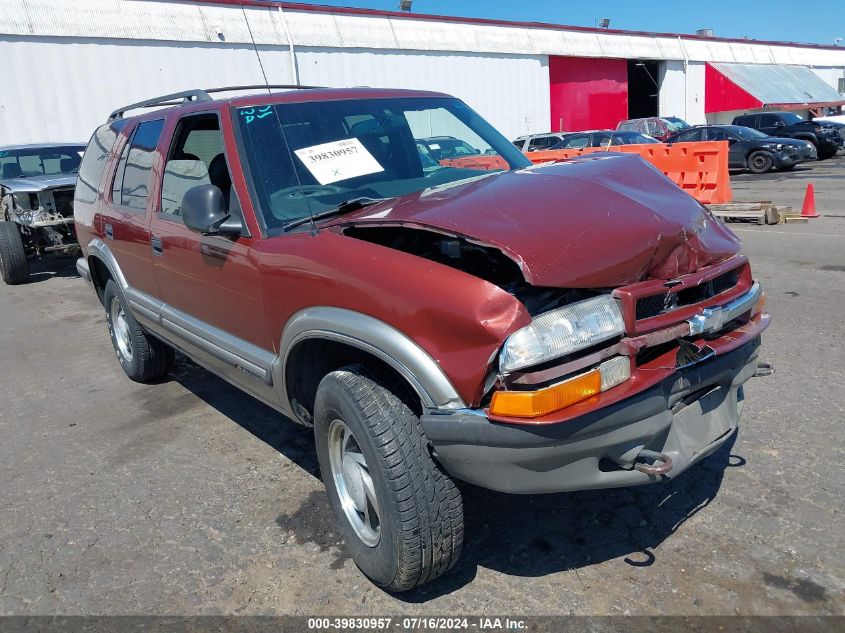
540, 143
132, 178
305, 158
195, 158
768, 120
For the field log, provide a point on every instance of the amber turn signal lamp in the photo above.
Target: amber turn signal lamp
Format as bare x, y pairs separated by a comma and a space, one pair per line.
533, 404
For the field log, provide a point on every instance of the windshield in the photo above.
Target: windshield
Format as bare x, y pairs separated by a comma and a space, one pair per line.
307, 158
746, 132
26, 162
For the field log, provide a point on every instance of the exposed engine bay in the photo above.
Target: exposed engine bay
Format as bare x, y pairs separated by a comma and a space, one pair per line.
44, 218
484, 262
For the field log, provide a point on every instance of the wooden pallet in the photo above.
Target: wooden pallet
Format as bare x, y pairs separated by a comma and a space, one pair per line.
763, 212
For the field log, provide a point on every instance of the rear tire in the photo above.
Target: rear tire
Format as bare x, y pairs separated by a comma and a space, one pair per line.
825, 154
14, 265
760, 162
143, 357
401, 516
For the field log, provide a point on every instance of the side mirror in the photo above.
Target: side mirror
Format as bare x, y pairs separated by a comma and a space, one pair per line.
204, 211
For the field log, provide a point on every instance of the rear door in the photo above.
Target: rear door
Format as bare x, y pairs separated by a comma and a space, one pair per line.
125, 223
211, 278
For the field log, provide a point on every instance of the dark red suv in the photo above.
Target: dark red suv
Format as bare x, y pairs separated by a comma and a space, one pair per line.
529, 329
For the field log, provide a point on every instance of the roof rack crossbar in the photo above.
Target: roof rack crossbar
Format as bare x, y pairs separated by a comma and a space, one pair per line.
171, 99
261, 87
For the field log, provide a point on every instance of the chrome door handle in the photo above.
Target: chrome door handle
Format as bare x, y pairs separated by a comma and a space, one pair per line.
158, 246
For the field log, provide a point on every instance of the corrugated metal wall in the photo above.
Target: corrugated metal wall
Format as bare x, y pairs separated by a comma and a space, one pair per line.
63, 89
70, 62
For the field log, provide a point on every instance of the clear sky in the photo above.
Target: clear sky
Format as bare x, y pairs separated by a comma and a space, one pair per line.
817, 22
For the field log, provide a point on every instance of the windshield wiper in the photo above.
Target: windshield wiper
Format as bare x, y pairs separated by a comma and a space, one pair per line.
347, 206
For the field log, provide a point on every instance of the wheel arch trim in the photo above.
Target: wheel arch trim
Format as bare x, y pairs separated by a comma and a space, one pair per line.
100, 250
375, 337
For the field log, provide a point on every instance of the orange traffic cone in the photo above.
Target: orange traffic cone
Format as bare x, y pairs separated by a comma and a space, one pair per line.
809, 208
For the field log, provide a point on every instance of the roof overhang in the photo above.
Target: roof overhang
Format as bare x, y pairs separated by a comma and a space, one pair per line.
749, 86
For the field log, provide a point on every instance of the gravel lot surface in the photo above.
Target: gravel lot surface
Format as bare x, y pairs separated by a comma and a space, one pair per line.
188, 497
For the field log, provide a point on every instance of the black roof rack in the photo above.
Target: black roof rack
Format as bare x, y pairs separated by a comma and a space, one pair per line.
197, 95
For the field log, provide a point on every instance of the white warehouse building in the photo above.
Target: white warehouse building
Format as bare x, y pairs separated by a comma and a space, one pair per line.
66, 63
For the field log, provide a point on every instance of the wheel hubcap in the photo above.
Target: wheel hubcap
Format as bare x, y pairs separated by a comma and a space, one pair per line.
354, 485
121, 330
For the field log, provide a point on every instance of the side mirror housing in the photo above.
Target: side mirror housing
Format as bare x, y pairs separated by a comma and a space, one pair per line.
204, 211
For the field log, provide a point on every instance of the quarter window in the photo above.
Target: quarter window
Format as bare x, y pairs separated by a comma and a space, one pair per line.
94, 161
132, 180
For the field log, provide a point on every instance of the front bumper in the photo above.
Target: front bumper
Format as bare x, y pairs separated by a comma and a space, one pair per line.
686, 416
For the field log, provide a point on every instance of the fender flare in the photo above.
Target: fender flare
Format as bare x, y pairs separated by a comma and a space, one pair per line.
100, 250
376, 337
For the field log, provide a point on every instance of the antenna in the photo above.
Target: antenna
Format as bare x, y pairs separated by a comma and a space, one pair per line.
254, 47
275, 111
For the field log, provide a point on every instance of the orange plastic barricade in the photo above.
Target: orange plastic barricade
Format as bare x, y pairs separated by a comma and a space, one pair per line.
480, 162
700, 169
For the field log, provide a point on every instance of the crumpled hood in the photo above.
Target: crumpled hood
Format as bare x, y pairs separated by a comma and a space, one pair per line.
38, 183
598, 221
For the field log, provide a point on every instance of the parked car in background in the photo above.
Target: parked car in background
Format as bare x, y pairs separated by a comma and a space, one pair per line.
827, 136
444, 147
752, 150
539, 142
431, 322
36, 204
604, 138
660, 128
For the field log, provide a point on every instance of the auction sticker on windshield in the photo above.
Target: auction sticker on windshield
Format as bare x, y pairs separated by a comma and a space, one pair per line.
338, 160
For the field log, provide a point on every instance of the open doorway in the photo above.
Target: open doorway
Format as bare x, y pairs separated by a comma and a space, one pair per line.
643, 88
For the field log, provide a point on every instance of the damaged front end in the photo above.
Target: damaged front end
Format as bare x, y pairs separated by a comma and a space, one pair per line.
44, 217
619, 300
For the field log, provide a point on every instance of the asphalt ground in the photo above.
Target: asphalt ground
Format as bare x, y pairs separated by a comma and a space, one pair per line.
188, 497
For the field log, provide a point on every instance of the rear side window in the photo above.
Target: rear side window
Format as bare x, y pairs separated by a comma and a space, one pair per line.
689, 136
768, 120
132, 179
94, 161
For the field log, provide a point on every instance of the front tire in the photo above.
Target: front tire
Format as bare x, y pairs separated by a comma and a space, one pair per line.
401, 516
760, 162
14, 266
142, 357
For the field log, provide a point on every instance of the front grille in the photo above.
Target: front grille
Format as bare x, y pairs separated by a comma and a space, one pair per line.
63, 199
654, 305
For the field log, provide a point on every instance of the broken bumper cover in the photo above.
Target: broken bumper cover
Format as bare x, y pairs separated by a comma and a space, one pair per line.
686, 416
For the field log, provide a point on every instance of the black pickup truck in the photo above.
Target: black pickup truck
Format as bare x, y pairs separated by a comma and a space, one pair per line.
827, 136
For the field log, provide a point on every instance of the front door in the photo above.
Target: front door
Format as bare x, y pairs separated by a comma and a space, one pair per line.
209, 277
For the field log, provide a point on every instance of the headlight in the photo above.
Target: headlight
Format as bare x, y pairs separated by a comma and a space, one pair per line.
563, 331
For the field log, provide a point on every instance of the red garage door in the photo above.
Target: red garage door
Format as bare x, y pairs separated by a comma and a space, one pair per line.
587, 93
